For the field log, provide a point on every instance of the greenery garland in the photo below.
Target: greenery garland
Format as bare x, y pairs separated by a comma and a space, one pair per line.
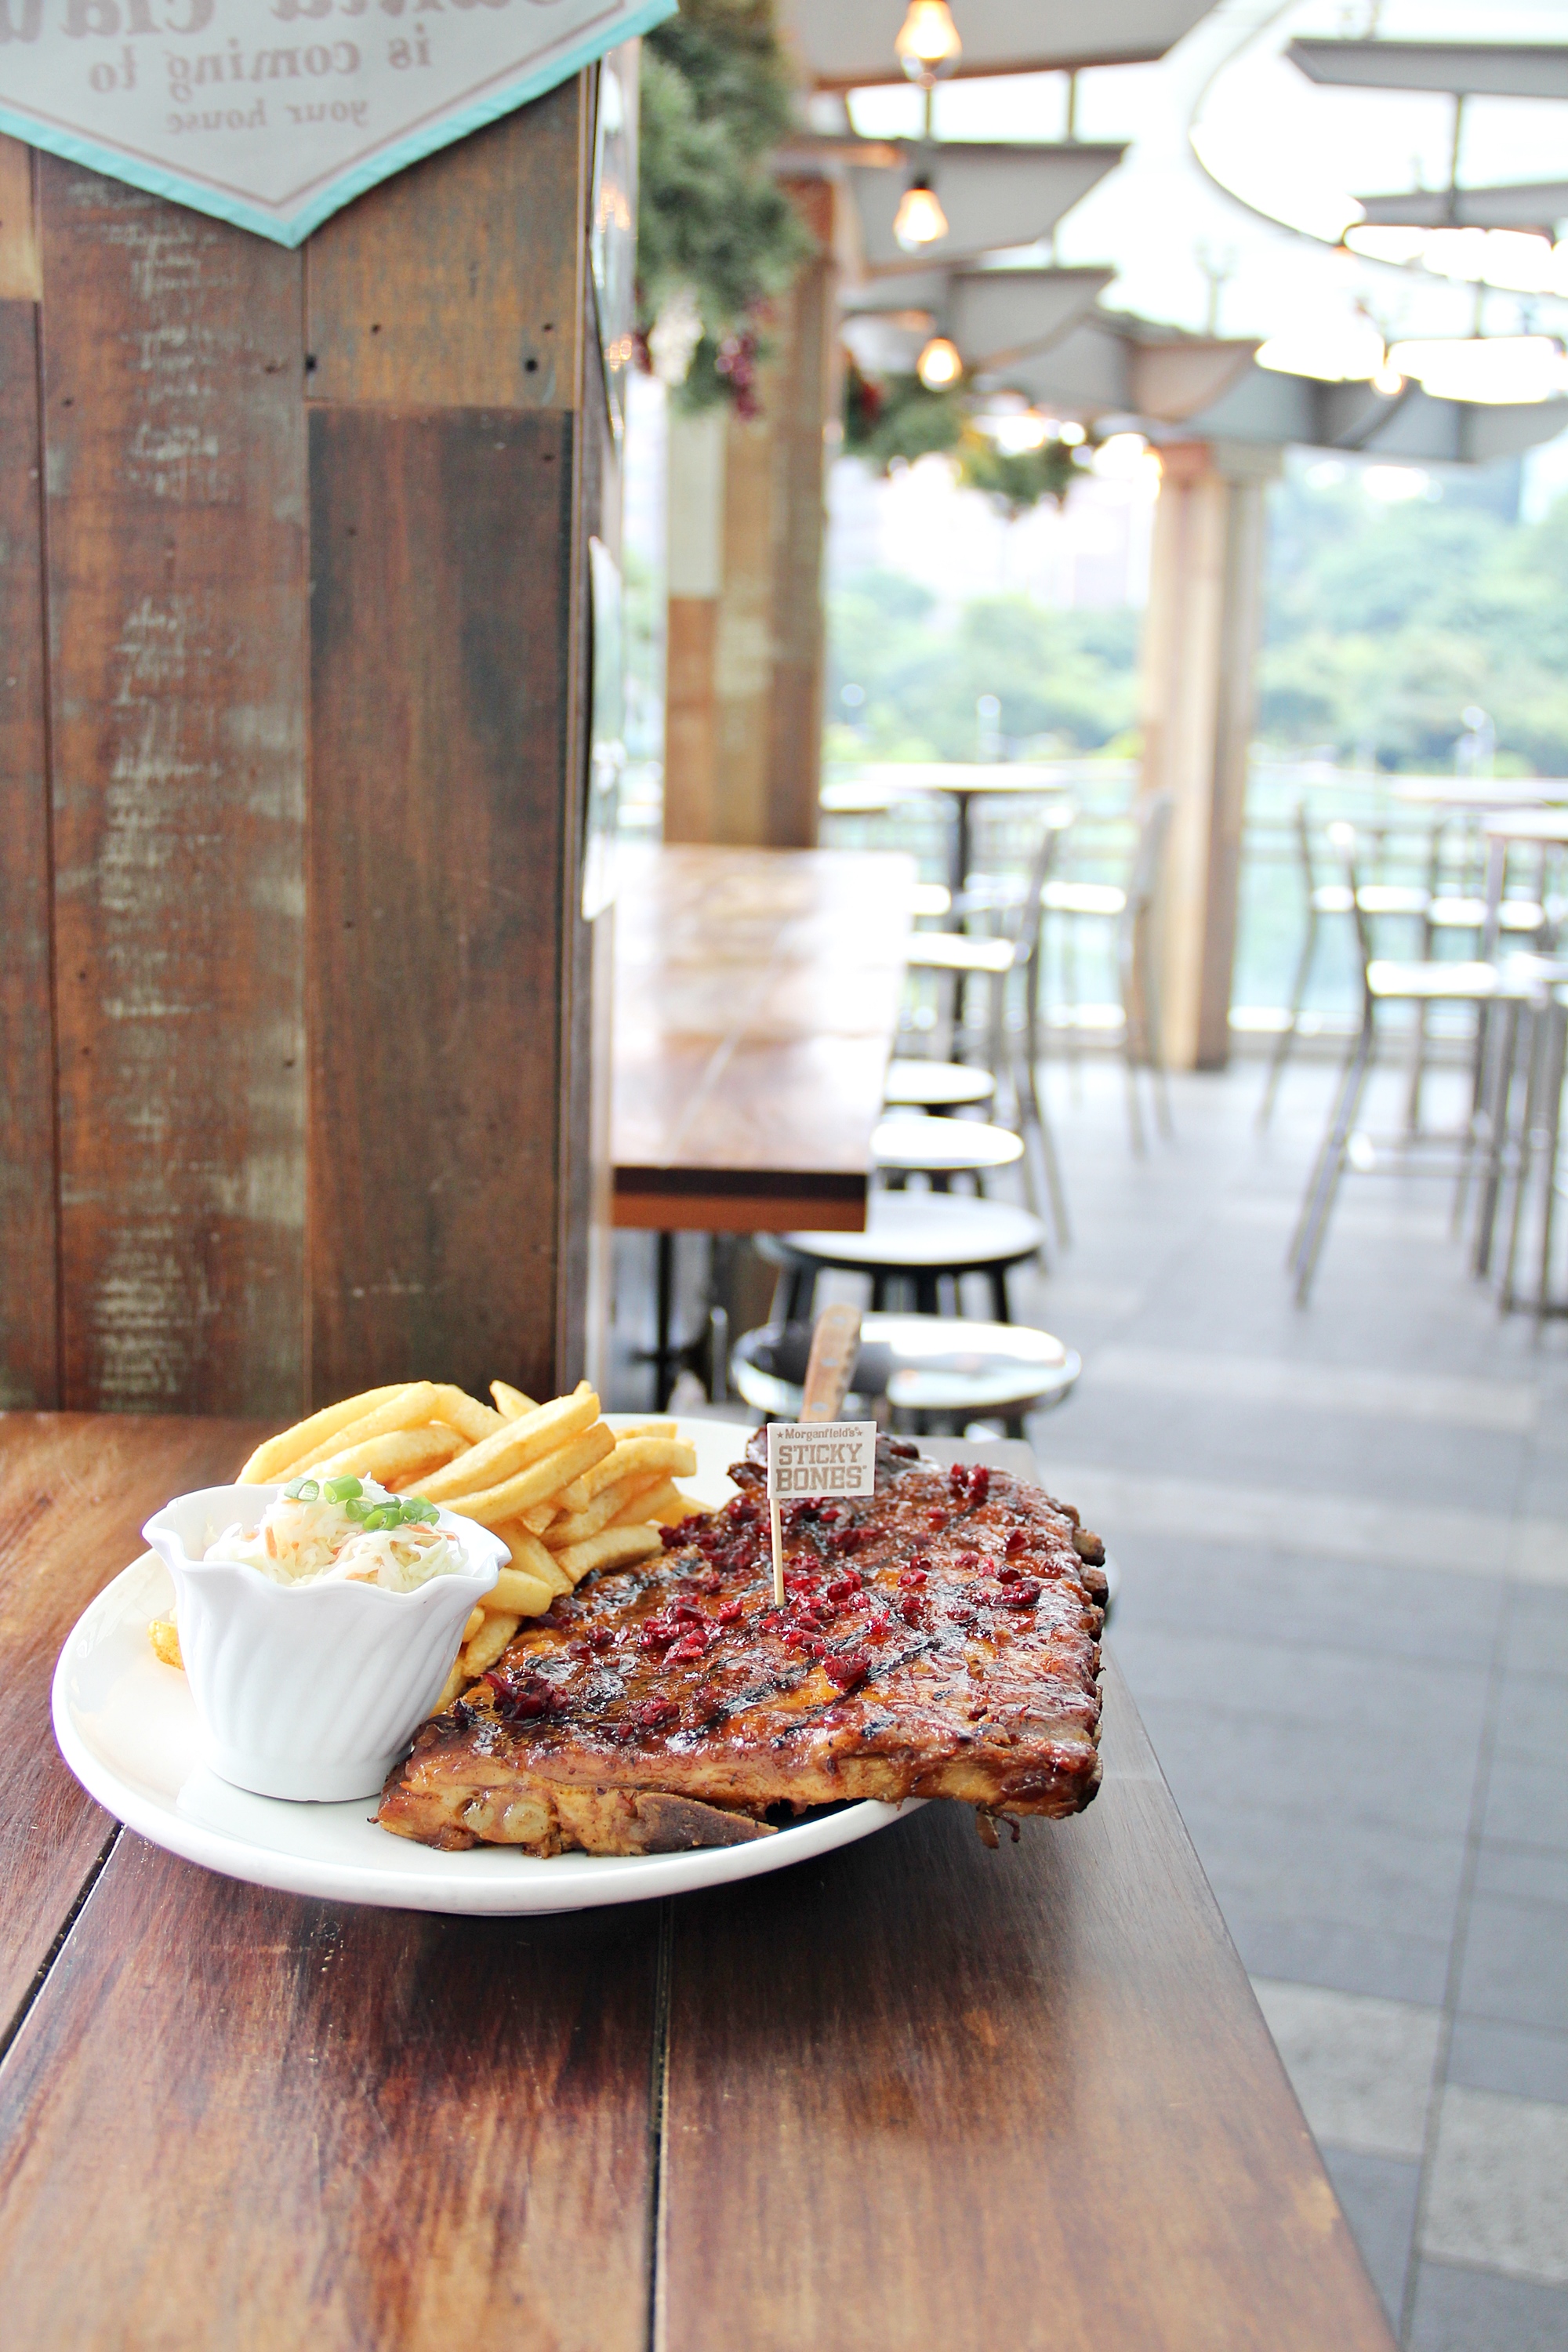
891, 420
717, 237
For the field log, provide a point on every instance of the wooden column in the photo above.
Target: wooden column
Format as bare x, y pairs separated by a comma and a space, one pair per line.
1200, 653
298, 633
747, 501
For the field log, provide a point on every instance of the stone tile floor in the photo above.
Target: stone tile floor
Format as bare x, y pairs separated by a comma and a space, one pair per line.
1344, 1540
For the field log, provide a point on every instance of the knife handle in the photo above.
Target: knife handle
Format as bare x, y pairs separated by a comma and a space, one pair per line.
834, 1351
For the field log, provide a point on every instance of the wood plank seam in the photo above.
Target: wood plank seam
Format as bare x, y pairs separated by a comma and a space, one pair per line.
14, 2023
48, 722
658, 2122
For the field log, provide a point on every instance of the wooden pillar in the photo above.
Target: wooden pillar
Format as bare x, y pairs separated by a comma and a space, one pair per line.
747, 527
1200, 654
308, 575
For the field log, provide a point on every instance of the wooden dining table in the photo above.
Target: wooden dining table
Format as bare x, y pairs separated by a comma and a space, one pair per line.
913, 2092
756, 1007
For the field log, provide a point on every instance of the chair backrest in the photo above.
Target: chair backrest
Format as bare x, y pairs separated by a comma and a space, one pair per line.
1148, 853
1304, 848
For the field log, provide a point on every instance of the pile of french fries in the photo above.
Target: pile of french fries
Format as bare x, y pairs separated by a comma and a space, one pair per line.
564, 1492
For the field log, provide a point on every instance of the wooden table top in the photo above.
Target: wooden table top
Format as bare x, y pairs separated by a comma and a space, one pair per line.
912, 2094
756, 1006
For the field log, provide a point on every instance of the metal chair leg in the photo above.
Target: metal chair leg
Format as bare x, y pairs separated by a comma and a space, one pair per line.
1318, 1207
1285, 1043
1490, 1121
1001, 1310
1557, 1056
1537, 1050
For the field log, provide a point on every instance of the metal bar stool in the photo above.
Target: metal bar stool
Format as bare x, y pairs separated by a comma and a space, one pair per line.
909, 1144
927, 1371
916, 1240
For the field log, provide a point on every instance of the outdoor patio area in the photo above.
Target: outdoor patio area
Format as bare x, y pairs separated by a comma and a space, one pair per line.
1343, 1541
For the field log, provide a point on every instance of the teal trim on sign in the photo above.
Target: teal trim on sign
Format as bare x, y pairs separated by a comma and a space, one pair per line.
384, 165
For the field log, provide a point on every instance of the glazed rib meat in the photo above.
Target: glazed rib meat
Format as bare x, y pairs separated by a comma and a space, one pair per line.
940, 1638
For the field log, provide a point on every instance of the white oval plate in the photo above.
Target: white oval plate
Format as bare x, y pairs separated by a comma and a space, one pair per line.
128, 1729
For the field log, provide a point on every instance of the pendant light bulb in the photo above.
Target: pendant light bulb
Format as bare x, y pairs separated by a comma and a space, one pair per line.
919, 219
928, 45
1388, 379
939, 365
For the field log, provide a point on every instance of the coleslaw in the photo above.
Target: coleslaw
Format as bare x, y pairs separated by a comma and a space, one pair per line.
347, 1530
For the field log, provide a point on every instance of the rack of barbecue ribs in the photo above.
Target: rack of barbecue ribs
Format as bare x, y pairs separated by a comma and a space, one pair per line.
940, 1638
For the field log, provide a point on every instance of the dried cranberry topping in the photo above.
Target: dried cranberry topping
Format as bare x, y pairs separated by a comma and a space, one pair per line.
1008, 1575
912, 1578
689, 1647
936, 1520
844, 1588
684, 1612
846, 1539
653, 1711
744, 1512
969, 1560
1024, 1594
1017, 1541
847, 1674
958, 1475
602, 1638
673, 1539
920, 1561
979, 1484
656, 1635
729, 1613
909, 1609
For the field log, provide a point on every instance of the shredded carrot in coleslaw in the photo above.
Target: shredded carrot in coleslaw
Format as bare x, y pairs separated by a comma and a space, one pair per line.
301, 1543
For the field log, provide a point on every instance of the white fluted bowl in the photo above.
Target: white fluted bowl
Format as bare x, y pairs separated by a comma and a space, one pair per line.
311, 1690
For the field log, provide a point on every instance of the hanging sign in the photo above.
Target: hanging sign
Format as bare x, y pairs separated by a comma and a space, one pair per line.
273, 113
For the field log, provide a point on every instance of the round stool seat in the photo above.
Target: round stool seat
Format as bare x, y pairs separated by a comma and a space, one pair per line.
926, 1233
935, 1086
908, 1144
935, 1364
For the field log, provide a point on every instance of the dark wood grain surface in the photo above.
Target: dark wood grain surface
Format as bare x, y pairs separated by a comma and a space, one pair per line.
445, 285
29, 1280
922, 2094
756, 1004
914, 2094
75, 1489
174, 429
238, 2120
440, 847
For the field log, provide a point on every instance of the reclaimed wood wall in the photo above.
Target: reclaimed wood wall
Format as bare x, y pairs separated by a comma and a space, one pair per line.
292, 565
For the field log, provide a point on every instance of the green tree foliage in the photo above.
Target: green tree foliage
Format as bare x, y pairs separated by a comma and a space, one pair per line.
1062, 678
1384, 621
711, 219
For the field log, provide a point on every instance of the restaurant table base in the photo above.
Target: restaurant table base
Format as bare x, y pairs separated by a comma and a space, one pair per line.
914, 2092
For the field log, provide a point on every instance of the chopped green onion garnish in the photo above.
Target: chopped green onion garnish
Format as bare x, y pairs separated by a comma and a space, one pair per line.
358, 1508
307, 1490
341, 1490
385, 1516
417, 1508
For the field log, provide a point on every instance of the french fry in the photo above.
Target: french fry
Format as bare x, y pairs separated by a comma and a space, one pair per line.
612, 1547
539, 1517
574, 1527
510, 1403
515, 1589
456, 1684
395, 1460
409, 1407
275, 1455
516, 1445
475, 1619
530, 1558
465, 1413
644, 1429
487, 1644
662, 1501
491, 1505
164, 1636
671, 1455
